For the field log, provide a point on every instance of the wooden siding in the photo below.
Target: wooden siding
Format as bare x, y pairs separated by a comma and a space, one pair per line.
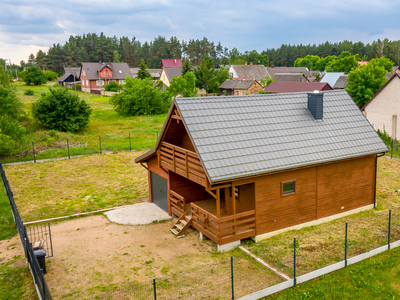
246, 200
273, 211
344, 186
188, 189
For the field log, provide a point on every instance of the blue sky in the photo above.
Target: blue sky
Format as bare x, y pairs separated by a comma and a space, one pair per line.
27, 26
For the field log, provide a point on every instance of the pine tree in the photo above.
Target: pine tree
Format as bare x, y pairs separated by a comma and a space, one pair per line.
143, 73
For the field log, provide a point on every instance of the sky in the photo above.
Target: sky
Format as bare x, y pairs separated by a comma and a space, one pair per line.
28, 26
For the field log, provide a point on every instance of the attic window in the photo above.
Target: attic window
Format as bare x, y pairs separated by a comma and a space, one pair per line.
288, 188
120, 72
106, 72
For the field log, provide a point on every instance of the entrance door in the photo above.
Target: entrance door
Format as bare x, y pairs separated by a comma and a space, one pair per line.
159, 191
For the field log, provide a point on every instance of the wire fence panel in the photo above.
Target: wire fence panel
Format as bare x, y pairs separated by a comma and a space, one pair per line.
37, 272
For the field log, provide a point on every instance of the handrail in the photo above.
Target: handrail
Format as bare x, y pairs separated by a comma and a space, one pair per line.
177, 201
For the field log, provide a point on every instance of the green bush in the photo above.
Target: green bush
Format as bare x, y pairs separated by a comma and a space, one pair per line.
61, 110
12, 128
7, 145
50, 75
34, 76
10, 104
29, 92
140, 97
112, 87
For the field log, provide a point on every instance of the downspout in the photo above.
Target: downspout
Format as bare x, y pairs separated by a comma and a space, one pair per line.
376, 172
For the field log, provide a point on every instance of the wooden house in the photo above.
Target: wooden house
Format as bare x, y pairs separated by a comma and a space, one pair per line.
240, 87
251, 166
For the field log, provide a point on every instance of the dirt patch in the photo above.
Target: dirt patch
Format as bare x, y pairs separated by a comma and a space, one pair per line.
93, 256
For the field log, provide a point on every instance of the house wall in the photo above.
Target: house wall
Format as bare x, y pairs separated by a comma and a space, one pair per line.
254, 89
152, 165
187, 188
320, 191
246, 199
103, 73
383, 112
164, 78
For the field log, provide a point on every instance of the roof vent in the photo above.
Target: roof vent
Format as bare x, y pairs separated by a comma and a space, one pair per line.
316, 105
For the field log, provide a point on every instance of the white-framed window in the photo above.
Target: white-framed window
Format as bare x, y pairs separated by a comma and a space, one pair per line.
121, 81
244, 93
106, 72
83, 73
99, 82
87, 82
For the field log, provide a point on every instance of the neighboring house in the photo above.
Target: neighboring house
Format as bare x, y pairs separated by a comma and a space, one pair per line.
341, 82
67, 80
331, 78
295, 87
276, 70
170, 63
245, 71
251, 166
154, 73
362, 63
167, 74
383, 110
240, 87
95, 75
290, 77
396, 69
74, 71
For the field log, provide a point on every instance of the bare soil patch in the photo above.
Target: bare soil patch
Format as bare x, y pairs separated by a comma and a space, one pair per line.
94, 257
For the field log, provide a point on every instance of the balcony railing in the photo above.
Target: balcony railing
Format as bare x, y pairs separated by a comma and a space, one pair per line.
181, 161
223, 230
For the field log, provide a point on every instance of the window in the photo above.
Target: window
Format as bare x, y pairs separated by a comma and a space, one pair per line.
84, 74
237, 193
237, 93
99, 82
288, 188
244, 93
87, 82
106, 72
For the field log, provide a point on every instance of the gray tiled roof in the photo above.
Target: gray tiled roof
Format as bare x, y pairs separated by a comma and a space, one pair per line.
75, 71
172, 72
119, 70
341, 82
242, 84
290, 77
242, 136
256, 72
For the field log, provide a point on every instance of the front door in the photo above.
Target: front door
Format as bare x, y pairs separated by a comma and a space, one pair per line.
159, 191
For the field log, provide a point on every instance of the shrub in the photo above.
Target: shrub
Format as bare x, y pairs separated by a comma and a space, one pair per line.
29, 92
112, 87
140, 97
50, 75
34, 76
10, 104
7, 145
61, 110
12, 128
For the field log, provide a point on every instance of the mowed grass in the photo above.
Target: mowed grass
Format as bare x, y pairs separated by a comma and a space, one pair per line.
7, 227
322, 245
375, 278
16, 281
60, 188
113, 129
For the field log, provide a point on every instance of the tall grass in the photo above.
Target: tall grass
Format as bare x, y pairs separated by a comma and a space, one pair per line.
388, 141
7, 227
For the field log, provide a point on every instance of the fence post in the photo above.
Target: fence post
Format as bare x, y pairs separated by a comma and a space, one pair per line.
43, 284
390, 217
233, 290
51, 242
294, 262
100, 143
130, 146
69, 157
33, 148
345, 248
391, 150
155, 289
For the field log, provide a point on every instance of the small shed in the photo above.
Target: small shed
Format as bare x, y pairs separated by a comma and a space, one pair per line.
240, 87
65, 79
290, 77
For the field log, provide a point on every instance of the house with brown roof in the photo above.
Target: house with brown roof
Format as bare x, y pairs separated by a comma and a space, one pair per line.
383, 110
276, 87
168, 73
241, 87
95, 75
170, 63
255, 72
290, 77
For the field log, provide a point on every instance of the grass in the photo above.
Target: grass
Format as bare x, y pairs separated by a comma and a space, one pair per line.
104, 121
85, 184
322, 245
16, 281
375, 278
7, 227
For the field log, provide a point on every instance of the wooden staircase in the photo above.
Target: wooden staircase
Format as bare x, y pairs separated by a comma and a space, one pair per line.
181, 225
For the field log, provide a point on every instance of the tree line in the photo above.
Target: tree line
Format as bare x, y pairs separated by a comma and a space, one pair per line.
92, 47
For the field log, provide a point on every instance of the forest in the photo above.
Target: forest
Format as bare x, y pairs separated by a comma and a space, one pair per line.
92, 47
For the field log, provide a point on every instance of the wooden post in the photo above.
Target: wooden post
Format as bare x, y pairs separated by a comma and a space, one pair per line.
218, 205
234, 207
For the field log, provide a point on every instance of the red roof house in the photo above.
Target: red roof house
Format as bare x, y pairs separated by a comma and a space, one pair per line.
171, 63
276, 87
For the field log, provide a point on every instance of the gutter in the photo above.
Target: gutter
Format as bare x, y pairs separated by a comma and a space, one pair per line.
376, 172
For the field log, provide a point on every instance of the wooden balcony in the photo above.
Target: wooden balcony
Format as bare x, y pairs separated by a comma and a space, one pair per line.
181, 161
226, 229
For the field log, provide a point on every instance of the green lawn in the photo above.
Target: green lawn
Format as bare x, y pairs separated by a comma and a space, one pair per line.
113, 129
375, 278
7, 227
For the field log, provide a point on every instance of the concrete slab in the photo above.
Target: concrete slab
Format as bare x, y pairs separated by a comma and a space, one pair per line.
137, 214
228, 247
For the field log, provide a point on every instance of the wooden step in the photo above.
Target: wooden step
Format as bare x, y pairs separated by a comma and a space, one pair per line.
174, 231
184, 222
179, 226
